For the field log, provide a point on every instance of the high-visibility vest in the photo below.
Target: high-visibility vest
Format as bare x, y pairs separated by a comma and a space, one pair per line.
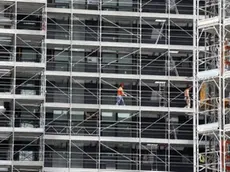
202, 159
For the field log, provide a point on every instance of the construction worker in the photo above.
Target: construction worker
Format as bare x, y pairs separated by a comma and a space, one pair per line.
120, 94
187, 96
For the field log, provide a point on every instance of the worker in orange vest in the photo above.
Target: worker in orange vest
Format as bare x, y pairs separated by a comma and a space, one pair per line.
120, 94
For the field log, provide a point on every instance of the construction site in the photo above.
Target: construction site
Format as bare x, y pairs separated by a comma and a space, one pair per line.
114, 85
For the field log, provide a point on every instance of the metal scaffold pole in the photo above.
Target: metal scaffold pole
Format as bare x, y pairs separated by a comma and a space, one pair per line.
195, 92
100, 87
140, 93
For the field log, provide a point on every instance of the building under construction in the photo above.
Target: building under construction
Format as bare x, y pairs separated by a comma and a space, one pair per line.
62, 61
211, 87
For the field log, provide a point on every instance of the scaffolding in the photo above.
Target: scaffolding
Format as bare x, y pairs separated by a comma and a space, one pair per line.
61, 63
211, 85
22, 84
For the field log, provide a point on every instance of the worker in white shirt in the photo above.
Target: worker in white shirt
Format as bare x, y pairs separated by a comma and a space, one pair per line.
187, 96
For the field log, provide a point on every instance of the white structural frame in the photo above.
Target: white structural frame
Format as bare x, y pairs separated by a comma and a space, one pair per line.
138, 110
